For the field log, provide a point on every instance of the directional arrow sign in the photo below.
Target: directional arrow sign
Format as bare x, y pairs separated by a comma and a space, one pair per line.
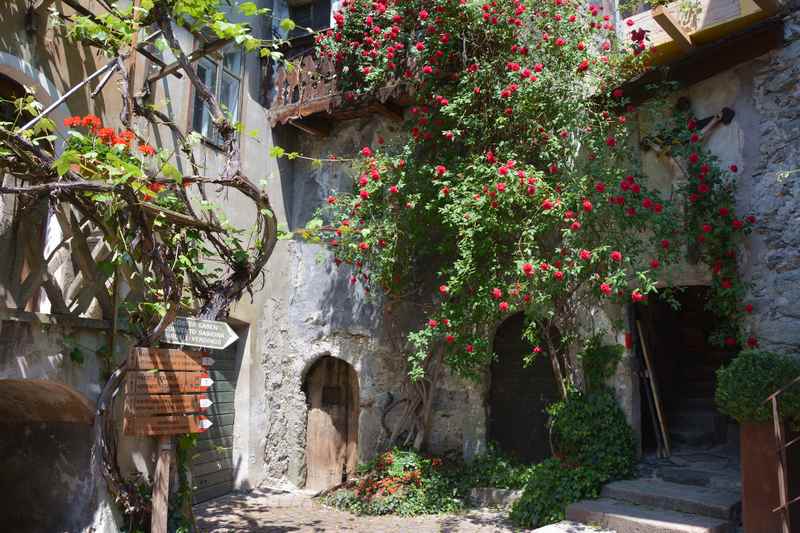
203, 333
176, 360
177, 404
157, 382
165, 425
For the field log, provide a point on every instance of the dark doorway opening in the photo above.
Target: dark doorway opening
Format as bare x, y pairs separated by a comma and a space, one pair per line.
685, 364
331, 389
519, 394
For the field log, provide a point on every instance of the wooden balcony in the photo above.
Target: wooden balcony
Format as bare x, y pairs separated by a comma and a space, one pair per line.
307, 94
676, 29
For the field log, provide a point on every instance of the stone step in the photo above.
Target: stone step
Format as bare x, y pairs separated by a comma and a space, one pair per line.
700, 477
492, 497
705, 501
625, 517
565, 526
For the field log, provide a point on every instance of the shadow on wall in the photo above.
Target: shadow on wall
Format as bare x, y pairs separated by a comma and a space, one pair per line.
45, 442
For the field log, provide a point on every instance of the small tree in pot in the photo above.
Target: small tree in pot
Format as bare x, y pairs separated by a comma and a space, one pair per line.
742, 390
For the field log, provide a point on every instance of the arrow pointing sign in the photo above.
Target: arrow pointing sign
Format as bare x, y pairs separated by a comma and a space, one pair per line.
202, 333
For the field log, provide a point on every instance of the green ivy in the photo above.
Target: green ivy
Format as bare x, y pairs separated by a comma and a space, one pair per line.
551, 487
599, 362
744, 385
590, 430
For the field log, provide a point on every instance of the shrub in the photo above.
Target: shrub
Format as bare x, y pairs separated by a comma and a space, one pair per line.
552, 485
400, 482
493, 469
590, 430
593, 444
745, 383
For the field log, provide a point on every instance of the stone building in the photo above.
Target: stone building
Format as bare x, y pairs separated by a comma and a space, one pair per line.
315, 356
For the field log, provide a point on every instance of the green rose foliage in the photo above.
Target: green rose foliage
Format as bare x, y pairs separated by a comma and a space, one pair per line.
552, 486
744, 385
590, 430
515, 187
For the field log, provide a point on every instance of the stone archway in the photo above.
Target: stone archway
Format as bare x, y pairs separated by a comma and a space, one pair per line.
518, 395
45, 442
332, 397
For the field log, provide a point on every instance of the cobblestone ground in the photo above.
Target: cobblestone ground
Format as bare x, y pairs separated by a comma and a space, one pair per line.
266, 511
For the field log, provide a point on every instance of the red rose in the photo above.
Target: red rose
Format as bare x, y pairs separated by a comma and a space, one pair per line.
654, 264
585, 255
587, 206
503, 306
497, 293
616, 256
748, 308
432, 323
734, 168
450, 339
470, 348
440, 170
600, 186
331, 199
366, 151
364, 245
443, 289
752, 342
605, 288
637, 296
527, 268
558, 275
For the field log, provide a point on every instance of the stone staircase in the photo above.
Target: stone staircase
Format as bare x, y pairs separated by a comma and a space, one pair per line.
652, 505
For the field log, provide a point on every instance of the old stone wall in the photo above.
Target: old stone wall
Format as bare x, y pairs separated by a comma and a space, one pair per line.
773, 195
314, 311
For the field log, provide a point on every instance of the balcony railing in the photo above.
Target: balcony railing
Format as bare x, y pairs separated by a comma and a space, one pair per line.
308, 90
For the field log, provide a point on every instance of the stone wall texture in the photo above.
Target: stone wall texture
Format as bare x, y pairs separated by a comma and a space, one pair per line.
774, 195
313, 311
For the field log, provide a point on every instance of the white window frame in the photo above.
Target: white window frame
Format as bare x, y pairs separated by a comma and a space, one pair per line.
201, 121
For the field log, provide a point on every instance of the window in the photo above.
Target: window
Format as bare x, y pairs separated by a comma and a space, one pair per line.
222, 73
314, 14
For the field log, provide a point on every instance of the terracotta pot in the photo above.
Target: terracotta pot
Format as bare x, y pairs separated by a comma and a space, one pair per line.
759, 478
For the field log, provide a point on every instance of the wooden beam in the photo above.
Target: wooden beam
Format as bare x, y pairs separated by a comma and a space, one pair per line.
673, 28
314, 129
768, 6
194, 56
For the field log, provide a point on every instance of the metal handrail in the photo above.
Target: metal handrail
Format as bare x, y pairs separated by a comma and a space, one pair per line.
783, 474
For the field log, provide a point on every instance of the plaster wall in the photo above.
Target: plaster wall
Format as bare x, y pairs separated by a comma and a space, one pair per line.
313, 310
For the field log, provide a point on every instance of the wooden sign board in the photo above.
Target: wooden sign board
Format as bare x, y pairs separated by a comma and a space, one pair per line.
162, 359
150, 426
196, 332
166, 404
158, 382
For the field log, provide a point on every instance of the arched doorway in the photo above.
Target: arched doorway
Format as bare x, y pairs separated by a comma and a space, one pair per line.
518, 395
331, 389
45, 442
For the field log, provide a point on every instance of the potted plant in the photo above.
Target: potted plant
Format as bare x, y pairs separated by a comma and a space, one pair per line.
743, 387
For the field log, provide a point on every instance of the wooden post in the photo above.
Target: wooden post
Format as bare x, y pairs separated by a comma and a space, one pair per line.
160, 499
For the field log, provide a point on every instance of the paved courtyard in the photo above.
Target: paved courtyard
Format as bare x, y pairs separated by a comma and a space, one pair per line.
269, 511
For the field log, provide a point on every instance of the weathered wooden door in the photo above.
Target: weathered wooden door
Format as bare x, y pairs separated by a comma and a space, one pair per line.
332, 430
519, 394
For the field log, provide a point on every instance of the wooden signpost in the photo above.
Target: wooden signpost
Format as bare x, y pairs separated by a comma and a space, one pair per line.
165, 396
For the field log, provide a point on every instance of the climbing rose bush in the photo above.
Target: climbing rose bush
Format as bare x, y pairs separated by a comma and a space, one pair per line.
515, 179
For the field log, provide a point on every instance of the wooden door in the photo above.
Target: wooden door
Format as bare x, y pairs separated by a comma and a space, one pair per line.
332, 430
519, 395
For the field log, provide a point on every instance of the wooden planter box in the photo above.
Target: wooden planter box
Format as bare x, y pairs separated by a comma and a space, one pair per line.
673, 34
759, 478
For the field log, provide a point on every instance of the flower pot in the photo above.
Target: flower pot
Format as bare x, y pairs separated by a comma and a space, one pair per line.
759, 462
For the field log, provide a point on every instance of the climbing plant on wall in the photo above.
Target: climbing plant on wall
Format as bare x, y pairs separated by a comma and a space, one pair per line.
171, 246
516, 181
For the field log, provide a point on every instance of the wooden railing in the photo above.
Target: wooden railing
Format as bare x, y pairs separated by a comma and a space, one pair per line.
782, 446
306, 85
61, 267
